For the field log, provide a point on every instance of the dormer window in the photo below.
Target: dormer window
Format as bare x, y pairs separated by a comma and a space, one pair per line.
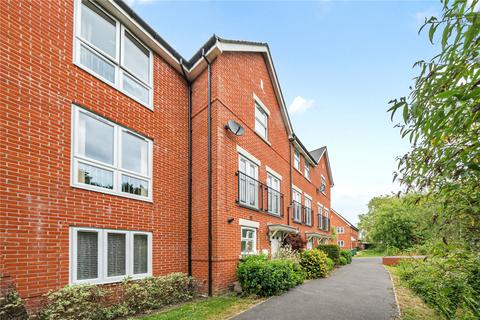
296, 160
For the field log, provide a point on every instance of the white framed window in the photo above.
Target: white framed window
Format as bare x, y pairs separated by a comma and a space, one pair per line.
106, 49
320, 216
248, 184
296, 159
248, 241
109, 158
297, 206
261, 121
327, 221
340, 230
273, 194
105, 255
307, 170
308, 211
323, 185
341, 243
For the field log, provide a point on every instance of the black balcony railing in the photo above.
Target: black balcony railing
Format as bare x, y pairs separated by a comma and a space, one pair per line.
308, 216
320, 221
326, 223
297, 212
258, 196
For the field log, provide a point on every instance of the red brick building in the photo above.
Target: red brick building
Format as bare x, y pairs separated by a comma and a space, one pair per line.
346, 232
116, 158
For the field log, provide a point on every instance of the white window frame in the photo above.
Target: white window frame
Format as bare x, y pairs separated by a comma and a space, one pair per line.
308, 204
297, 197
118, 172
326, 214
341, 243
296, 159
320, 215
116, 61
259, 108
241, 158
248, 239
307, 170
271, 178
340, 230
103, 255
324, 183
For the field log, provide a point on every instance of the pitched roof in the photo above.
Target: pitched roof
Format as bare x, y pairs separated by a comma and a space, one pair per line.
318, 153
344, 219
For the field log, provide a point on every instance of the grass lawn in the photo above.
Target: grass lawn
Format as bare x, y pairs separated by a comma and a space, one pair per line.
216, 308
370, 253
412, 307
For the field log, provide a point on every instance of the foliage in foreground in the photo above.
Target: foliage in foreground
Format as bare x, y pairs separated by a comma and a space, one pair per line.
91, 302
263, 277
11, 306
450, 284
314, 263
348, 255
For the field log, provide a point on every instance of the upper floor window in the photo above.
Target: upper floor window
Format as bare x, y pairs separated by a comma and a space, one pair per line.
273, 194
109, 51
247, 183
110, 158
323, 185
320, 216
308, 211
297, 206
101, 256
307, 170
340, 230
296, 159
261, 121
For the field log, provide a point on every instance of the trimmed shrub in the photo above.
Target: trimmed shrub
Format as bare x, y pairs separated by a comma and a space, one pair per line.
314, 263
92, 302
287, 253
347, 254
342, 261
330, 264
263, 277
332, 251
11, 306
75, 302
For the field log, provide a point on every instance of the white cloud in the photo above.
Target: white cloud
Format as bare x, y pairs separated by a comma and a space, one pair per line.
427, 13
300, 104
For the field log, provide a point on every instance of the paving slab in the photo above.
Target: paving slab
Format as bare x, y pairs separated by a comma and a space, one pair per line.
358, 291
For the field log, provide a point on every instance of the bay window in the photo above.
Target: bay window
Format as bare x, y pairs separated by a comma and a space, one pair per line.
106, 49
103, 255
110, 158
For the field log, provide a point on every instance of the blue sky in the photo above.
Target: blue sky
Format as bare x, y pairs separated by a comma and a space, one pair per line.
339, 63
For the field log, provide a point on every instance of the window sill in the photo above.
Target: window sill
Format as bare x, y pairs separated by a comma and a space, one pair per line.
264, 140
274, 215
114, 280
93, 74
246, 206
298, 170
112, 193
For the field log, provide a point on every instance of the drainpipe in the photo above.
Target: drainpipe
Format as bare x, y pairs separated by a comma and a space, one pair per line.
209, 142
291, 180
189, 214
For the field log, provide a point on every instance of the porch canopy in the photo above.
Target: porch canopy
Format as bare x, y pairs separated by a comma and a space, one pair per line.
311, 235
282, 228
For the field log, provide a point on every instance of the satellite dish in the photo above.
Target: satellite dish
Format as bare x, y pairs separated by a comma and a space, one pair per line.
235, 127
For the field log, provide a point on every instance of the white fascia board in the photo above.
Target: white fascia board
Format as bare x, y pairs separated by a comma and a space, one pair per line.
249, 223
262, 105
248, 155
297, 188
273, 173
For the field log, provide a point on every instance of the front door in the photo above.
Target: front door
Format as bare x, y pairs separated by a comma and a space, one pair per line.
276, 243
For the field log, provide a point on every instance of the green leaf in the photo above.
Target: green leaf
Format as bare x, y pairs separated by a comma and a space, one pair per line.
405, 113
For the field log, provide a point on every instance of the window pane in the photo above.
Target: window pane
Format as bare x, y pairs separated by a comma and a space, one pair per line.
87, 255
134, 153
244, 246
133, 87
116, 264
97, 64
95, 139
95, 176
136, 58
134, 186
98, 29
140, 253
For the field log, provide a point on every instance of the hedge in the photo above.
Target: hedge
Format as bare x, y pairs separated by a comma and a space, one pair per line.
347, 254
332, 251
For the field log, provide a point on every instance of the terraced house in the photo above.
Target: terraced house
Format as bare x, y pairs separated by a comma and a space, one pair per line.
346, 232
119, 158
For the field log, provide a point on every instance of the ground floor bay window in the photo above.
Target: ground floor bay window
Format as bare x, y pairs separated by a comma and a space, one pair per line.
104, 255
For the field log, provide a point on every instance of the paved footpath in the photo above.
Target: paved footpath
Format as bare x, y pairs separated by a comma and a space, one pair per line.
361, 290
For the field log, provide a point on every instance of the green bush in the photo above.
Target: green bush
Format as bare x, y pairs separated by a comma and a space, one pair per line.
347, 254
330, 264
75, 302
92, 302
332, 251
263, 277
11, 306
342, 261
314, 263
449, 284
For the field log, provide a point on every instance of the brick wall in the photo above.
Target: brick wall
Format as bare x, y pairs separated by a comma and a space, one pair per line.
39, 83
